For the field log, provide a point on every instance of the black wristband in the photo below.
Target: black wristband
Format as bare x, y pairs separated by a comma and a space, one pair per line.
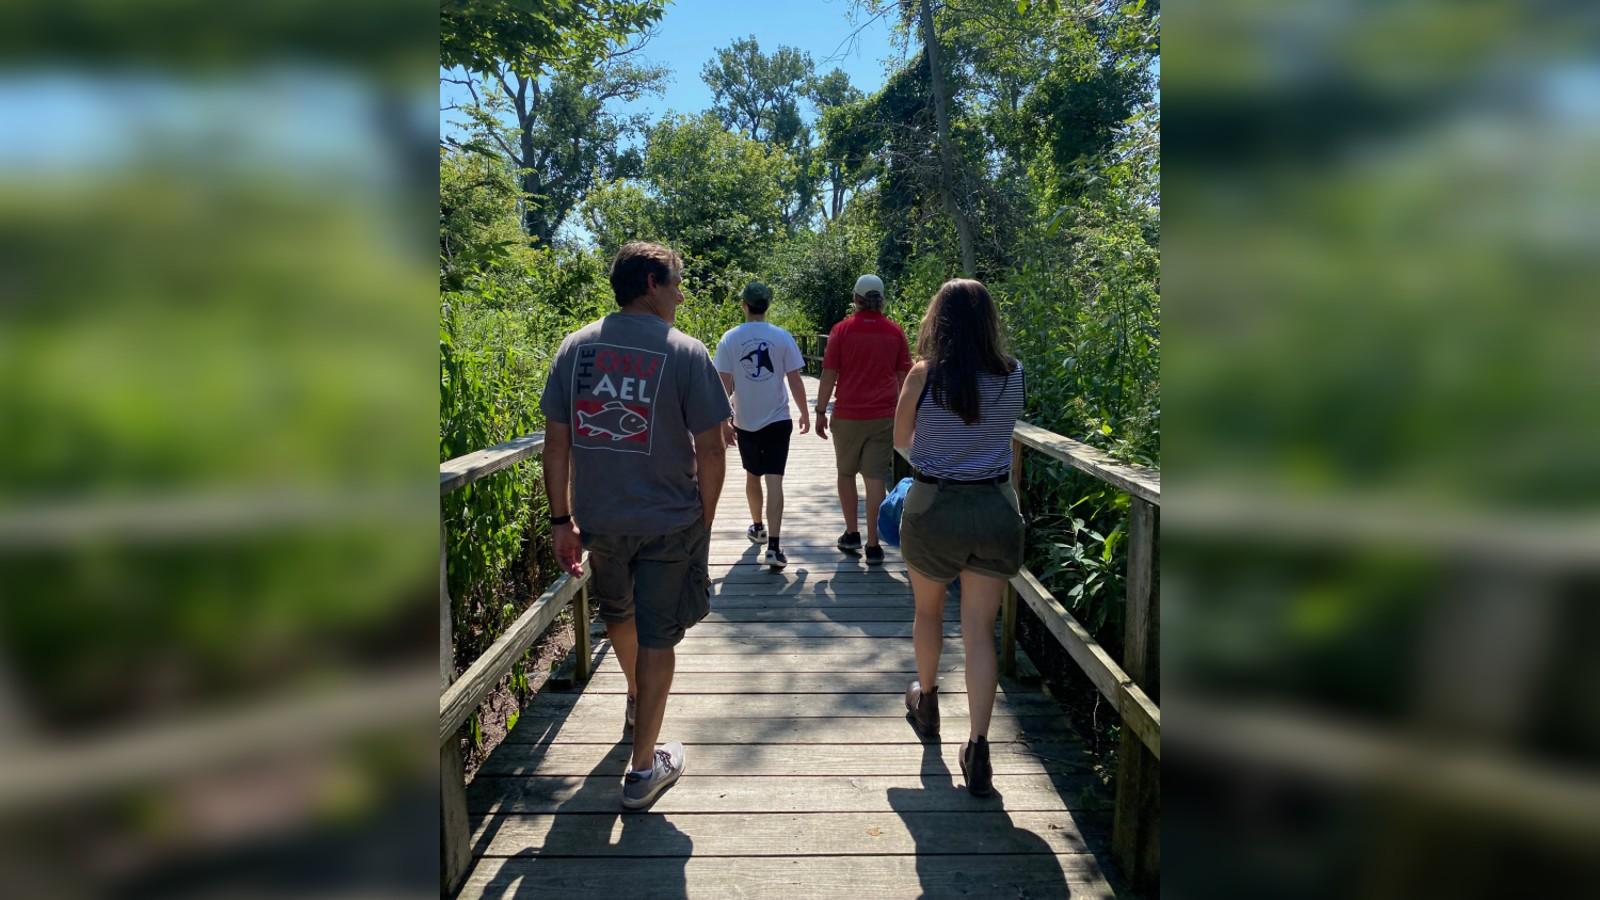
560, 520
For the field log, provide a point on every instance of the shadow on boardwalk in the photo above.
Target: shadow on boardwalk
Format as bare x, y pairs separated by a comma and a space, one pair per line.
585, 853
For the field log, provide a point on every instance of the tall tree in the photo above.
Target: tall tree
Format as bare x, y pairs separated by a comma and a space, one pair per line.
530, 38
759, 94
558, 132
715, 195
948, 180
828, 92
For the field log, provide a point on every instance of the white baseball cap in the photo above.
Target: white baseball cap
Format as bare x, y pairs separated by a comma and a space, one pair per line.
869, 284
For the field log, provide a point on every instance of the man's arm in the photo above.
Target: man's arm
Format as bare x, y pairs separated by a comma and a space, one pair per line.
557, 486
710, 456
728, 436
830, 377
905, 412
798, 389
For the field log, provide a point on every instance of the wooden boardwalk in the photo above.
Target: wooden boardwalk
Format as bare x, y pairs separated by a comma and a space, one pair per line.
803, 777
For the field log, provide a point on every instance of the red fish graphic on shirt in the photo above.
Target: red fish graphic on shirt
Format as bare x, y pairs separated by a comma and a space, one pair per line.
614, 421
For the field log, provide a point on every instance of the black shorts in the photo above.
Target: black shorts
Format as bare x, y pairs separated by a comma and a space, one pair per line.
765, 451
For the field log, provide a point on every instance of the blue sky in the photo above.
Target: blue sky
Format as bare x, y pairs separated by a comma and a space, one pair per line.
690, 32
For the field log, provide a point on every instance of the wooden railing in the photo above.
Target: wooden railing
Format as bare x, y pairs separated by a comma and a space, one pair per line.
459, 696
1136, 838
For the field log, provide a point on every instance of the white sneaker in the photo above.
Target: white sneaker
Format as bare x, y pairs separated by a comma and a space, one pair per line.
756, 533
639, 792
776, 559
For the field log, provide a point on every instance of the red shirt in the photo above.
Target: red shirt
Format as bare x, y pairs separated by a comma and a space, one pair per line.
866, 350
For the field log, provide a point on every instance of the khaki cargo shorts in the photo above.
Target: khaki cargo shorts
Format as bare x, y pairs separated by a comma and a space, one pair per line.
659, 581
865, 446
945, 528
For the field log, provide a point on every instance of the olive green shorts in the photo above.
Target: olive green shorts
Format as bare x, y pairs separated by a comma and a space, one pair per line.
949, 528
865, 446
659, 581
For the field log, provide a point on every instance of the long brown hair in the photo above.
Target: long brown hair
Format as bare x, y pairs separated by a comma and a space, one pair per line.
960, 338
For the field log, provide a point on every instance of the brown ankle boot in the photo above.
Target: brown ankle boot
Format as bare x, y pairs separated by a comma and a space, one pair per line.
923, 709
976, 769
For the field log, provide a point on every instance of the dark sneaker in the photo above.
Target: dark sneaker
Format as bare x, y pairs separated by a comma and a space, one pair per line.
757, 533
850, 541
631, 703
922, 709
639, 792
776, 559
975, 768
874, 555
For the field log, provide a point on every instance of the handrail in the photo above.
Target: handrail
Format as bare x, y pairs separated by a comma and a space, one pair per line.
1140, 481
459, 696
464, 470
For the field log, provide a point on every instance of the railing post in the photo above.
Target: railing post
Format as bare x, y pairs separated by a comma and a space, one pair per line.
455, 854
1008, 605
580, 627
1136, 834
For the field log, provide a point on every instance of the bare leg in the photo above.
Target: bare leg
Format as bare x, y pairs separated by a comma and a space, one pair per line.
655, 683
847, 502
927, 629
624, 639
752, 495
980, 600
875, 492
774, 505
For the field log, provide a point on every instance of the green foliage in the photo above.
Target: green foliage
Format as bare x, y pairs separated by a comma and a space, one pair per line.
479, 34
816, 271
715, 197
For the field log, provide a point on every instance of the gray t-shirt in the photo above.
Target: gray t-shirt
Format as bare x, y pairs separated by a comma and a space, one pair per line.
635, 391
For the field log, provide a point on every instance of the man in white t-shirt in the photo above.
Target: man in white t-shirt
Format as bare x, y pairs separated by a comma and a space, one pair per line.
757, 360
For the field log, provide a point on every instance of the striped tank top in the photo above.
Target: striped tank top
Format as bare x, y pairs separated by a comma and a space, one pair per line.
946, 447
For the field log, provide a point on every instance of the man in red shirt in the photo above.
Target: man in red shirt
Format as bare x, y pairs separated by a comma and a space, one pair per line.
867, 358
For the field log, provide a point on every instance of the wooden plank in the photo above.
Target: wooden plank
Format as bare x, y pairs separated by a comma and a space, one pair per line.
845, 877
766, 682
736, 614
612, 760
463, 696
900, 661
802, 590
756, 631
752, 794
759, 706
801, 575
582, 652
1141, 482
812, 834
464, 470
816, 601
533, 728
705, 642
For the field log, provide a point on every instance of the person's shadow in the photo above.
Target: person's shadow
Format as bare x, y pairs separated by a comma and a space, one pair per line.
593, 847
968, 846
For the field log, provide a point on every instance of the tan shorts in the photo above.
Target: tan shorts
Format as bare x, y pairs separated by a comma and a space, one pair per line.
948, 528
865, 446
659, 581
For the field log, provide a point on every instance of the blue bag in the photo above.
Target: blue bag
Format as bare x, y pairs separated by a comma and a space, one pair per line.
889, 513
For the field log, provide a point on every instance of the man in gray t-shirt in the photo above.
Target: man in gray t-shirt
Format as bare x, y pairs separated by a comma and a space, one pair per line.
634, 412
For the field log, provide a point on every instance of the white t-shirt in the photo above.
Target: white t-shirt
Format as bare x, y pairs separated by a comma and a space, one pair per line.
759, 356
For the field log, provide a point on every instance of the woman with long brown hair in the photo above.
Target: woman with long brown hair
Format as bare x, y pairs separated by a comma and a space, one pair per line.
961, 517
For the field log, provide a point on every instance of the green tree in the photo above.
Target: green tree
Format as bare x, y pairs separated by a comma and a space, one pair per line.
557, 132
532, 38
828, 92
716, 196
759, 94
